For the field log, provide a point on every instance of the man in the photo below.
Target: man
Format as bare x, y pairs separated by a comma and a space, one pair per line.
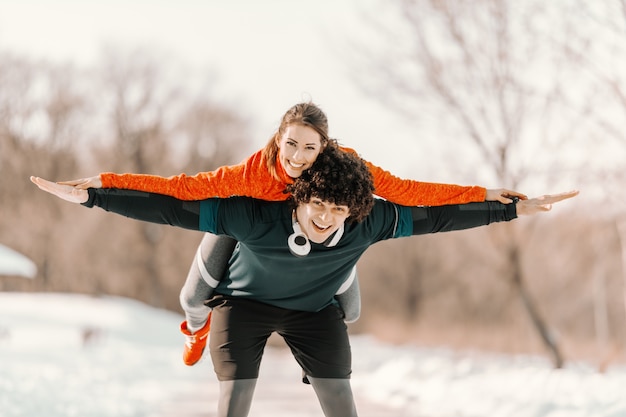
292, 258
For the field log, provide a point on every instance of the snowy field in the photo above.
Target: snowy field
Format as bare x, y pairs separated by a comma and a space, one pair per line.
70, 355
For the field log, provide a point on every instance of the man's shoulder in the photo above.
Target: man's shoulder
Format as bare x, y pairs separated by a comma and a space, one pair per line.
385, 218
260, 209
380, 204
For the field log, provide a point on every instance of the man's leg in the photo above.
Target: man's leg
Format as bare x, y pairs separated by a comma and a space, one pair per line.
235, 397
320, 344
335, 396
240, 329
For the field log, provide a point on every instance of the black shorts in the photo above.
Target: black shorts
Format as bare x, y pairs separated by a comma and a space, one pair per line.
240, 328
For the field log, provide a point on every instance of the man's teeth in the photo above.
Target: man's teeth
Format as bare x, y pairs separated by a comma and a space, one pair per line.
321, 227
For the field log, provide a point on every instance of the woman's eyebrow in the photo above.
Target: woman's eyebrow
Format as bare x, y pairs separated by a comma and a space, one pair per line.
307, 144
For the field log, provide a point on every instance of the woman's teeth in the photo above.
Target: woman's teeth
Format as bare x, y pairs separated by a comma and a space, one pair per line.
296, 165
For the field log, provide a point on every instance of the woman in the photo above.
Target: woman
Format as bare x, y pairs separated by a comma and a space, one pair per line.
294, 147
265, 290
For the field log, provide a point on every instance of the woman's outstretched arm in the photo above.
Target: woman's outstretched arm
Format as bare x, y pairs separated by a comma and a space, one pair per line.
139, 205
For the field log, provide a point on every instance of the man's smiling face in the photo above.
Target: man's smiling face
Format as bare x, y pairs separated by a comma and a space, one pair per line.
320, 219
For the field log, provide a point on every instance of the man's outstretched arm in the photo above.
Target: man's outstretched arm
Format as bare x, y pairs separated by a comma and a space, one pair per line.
150, 207
466, 216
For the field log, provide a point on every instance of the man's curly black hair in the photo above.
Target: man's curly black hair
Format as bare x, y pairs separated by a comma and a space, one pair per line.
338, 177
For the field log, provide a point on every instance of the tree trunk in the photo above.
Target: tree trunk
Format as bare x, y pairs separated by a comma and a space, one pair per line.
527, 301
621, 234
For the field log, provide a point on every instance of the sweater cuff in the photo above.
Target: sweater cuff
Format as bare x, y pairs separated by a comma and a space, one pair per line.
92, 198
106, 179
511, 209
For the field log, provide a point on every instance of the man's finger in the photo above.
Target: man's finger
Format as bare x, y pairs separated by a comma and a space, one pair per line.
555, 198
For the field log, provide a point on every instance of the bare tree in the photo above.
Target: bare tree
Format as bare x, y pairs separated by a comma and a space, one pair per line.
157, 126
212, 133
41, 113
131, 113
621, 232
488, 75
595, 42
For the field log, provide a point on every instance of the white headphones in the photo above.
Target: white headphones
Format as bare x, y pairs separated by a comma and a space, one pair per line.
299, 244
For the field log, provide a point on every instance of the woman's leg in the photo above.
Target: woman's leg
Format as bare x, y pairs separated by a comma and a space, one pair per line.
350, 299
235, 397
335, 396
206, 271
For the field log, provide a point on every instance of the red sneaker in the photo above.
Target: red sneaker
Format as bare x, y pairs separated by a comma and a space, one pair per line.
195, 343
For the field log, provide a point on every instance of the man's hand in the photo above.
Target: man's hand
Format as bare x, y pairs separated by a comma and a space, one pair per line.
84, 183
65, 192
543, 203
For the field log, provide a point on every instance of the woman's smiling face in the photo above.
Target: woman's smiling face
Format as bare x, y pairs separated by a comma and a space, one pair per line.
320, 219
299, 146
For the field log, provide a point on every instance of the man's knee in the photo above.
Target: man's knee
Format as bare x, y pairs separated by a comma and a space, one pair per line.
236, 397
338, 388
335, 396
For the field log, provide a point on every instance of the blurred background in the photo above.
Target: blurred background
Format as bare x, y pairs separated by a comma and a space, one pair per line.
524, 95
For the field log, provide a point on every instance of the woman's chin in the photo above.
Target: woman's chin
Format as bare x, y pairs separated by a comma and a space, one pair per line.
293, 173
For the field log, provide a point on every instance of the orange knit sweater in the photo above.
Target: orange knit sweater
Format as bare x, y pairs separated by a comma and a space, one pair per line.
252, 179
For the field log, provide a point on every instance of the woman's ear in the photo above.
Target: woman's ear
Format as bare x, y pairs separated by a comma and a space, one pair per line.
277, 137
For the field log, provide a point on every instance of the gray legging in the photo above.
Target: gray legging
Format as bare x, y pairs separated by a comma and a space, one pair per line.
208, 268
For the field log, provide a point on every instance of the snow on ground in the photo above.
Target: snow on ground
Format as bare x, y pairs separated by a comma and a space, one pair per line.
71, 355
14, 263
444, 383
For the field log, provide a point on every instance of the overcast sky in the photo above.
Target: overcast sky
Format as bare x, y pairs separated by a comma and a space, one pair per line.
268, 56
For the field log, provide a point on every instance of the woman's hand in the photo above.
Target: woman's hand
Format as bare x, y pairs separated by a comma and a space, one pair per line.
66, 192
543, 203
84, 183
504, 196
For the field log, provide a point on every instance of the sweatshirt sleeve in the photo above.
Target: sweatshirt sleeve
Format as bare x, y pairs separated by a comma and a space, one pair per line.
416, 193
424, 220
251, 178
153, 208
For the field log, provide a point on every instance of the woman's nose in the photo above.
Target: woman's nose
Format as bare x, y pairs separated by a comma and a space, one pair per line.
296, 155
